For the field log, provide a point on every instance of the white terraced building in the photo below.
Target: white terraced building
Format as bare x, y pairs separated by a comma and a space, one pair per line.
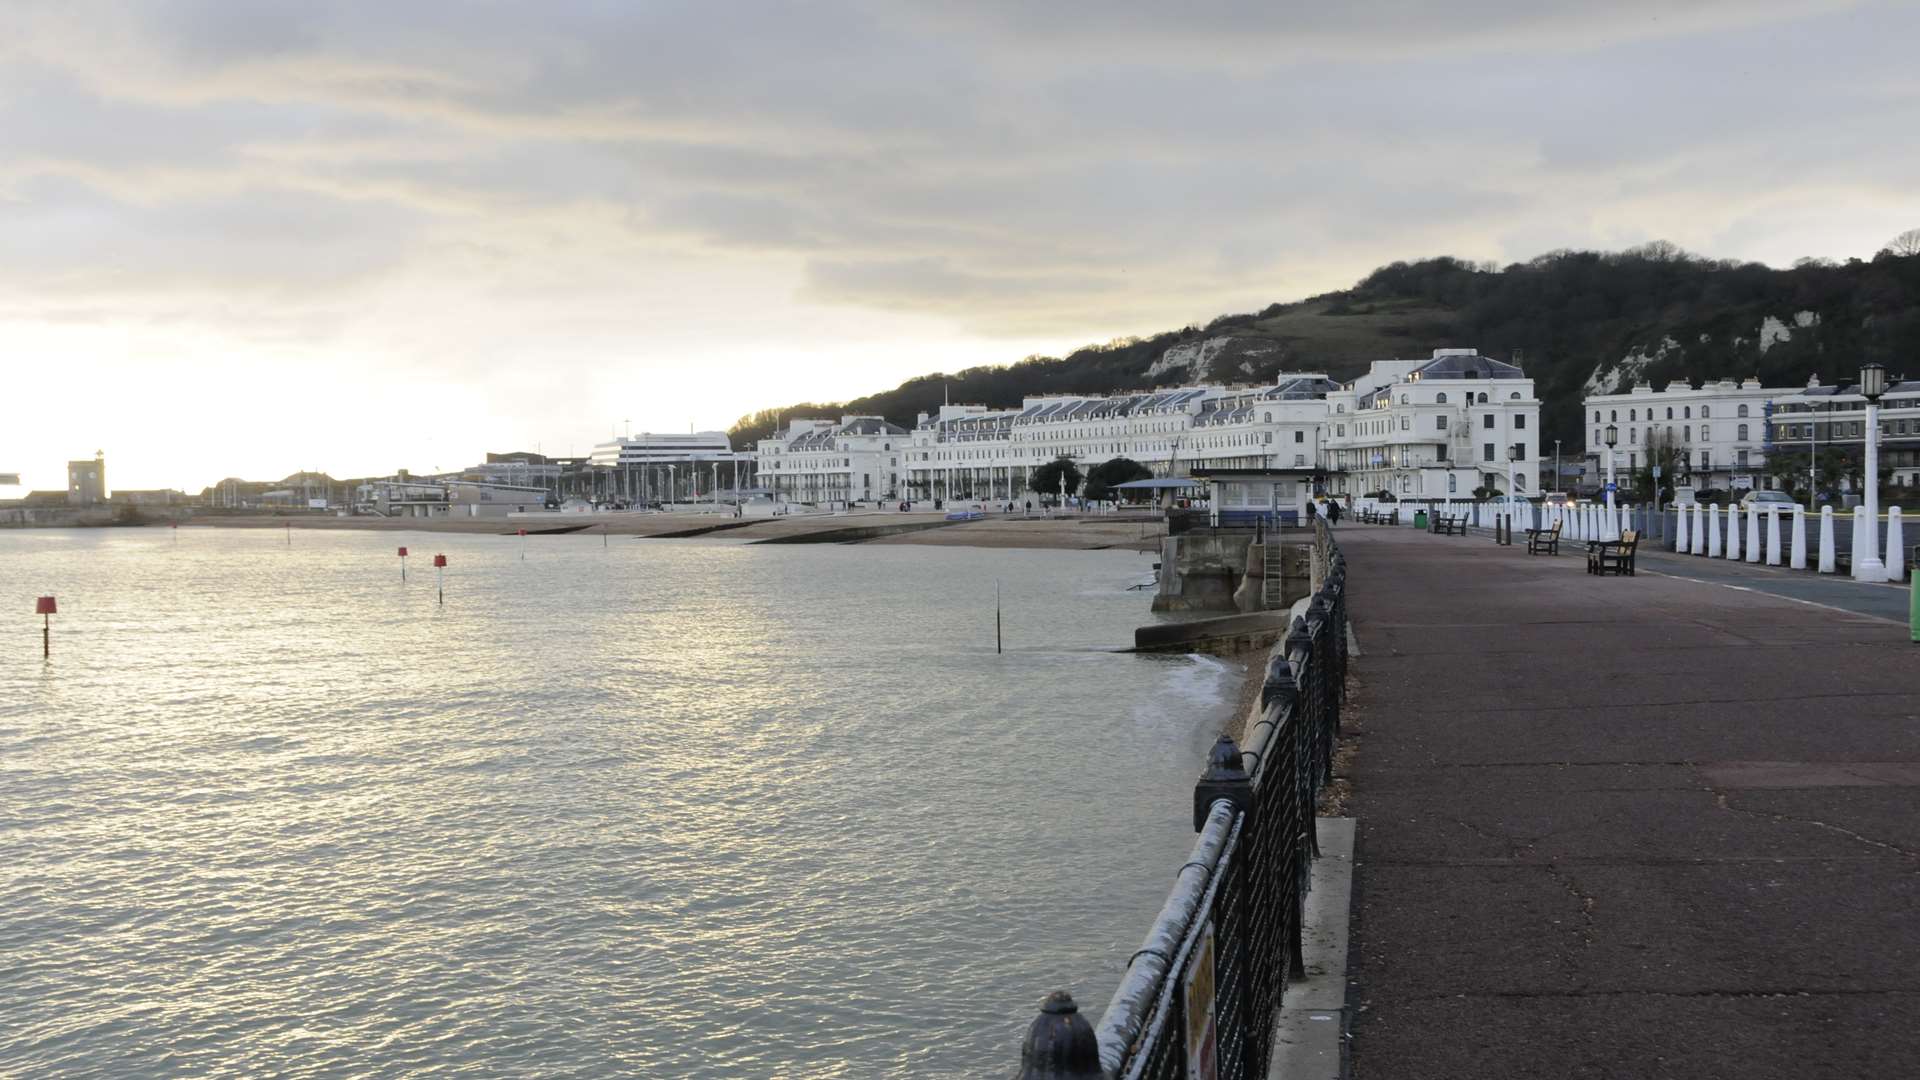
973, 452
819, 461
1718, 428
1435, 428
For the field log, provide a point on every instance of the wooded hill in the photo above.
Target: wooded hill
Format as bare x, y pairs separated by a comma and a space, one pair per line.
1568, 317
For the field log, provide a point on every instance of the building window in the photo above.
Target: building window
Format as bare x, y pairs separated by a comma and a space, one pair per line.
1706, 460
1515, 396
1633, 415
1742, 412
1299, 436
1686, 412
1686, 432
1299, 459
1440, 423
1487, 421
1482, 399
1486, 451
1614, 415
1406, 423
1706, 432
1705, 411
1669, 412
1340, 430
1740, 433
1740, 457
1440, 398
1520, 422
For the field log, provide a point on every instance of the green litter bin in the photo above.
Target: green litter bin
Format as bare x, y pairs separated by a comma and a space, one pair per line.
1419, 519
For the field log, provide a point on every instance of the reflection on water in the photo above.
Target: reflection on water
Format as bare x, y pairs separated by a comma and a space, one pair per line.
661, 809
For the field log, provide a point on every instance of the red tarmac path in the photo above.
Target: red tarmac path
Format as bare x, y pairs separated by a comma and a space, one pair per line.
1625, 827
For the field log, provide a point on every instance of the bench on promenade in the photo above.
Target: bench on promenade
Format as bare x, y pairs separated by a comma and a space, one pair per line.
1450, 524
1612, 556
1544, 541
1378, 517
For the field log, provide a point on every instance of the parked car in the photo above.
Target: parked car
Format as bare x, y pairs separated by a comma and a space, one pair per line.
1767, 497
1515, 501
1557, 498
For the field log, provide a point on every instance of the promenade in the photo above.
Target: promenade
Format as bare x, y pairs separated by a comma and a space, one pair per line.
1628, 827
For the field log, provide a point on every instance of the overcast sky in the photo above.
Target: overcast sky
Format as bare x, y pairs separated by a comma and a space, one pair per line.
254, 237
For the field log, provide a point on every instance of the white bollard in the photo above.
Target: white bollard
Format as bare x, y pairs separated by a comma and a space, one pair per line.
1753, 533
1798, 561
1773, 536
1713, 533
1699, 531
1733, 531
1680, 539
1826, 540
1860, 534
1896, 555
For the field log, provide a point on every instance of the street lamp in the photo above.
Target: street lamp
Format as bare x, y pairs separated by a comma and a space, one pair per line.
1613, 440
1556, 466
1873, 383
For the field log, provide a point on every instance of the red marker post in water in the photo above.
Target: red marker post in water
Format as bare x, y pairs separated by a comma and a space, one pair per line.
46, 609
403, 564
439, 577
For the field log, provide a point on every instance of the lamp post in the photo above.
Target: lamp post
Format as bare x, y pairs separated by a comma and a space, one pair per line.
1556, 466
1873, 383
1613, 440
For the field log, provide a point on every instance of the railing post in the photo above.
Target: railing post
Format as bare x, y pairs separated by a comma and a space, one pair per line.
1225, 777
1060, 1044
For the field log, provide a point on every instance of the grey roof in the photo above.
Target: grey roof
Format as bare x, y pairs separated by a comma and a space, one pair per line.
1463, 366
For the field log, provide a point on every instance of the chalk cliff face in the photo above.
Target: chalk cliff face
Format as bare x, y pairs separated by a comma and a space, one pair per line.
1578, 322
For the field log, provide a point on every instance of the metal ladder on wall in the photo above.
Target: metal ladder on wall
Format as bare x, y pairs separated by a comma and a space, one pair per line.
1272, 587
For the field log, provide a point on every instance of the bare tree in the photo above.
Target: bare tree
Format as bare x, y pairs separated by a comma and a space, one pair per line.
1907, 243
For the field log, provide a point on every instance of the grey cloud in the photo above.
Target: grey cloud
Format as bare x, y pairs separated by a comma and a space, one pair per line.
1029, 168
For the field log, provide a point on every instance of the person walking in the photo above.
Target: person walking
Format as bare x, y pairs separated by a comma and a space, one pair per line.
1333, 511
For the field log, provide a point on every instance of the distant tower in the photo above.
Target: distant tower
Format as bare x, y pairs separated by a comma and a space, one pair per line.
87, 480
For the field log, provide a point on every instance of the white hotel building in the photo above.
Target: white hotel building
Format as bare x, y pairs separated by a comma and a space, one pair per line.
970, 451
1420, 428
1720, 428
1435, 428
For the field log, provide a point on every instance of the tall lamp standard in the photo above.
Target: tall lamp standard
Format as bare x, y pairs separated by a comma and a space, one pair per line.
1613, 440
1556, 466
1873, 383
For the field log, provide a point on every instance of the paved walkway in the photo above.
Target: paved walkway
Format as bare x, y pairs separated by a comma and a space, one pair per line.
1630, 827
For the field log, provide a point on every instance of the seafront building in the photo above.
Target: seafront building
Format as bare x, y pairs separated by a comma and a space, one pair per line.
820, 461
969, 451
1435, 428
652, 467
1716, 433
1821, 417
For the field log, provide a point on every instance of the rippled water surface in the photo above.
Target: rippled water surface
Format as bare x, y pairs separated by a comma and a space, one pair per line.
660, 808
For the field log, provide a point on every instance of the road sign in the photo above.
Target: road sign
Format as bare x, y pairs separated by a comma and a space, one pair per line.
1656, 472
1612, 487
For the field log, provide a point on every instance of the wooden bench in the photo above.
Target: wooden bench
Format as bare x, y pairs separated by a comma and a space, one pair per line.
1612, 556
1450, 525
1544, 541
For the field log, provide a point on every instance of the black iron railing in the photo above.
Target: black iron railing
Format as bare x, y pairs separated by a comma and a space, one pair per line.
1206, 984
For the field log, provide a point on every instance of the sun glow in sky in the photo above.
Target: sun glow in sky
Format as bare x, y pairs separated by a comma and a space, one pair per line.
246, 239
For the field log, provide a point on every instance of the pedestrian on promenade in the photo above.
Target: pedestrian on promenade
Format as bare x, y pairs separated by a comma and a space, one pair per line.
1333, 511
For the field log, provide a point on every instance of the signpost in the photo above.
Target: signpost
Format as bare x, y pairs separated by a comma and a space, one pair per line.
1203, 1059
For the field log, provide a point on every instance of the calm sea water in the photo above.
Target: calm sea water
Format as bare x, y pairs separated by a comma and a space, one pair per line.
660, 809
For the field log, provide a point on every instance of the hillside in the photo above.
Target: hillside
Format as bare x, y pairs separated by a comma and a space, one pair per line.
1574, 320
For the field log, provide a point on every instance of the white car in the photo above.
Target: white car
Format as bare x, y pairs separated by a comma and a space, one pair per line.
1766, 498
